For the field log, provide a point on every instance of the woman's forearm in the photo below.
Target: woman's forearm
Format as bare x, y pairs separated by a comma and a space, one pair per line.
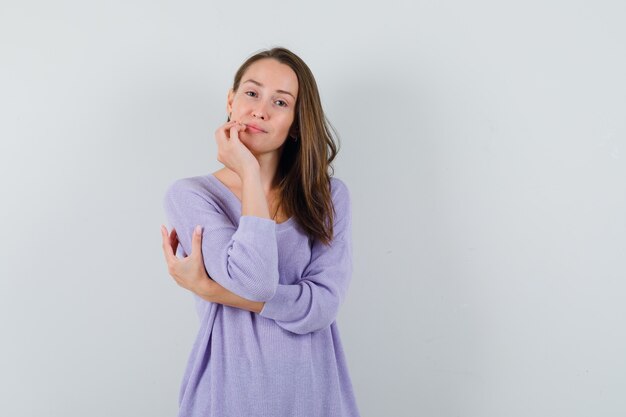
254, 202
215, 293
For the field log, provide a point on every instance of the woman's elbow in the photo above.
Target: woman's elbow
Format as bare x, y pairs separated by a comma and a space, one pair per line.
263, 289
322, 319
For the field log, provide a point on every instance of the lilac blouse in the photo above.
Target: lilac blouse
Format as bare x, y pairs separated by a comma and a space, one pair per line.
288, 359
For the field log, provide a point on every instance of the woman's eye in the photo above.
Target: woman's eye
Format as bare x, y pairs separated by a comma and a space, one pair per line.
251, 93
281, 103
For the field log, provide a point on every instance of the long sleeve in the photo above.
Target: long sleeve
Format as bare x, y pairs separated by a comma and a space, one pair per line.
242, 259
313, 303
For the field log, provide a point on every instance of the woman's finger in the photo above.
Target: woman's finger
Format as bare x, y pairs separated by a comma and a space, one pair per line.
196, 242
167, 247
234, 130
222, 132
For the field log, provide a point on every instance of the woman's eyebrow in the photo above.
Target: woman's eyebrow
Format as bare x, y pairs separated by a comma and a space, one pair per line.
250, 80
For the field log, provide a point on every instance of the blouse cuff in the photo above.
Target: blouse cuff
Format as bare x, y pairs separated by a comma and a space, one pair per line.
281, 302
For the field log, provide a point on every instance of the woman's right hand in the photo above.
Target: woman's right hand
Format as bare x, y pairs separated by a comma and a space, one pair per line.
232, 152
188, 272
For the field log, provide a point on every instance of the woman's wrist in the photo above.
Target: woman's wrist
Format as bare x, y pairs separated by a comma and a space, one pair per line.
251, 172
213, 292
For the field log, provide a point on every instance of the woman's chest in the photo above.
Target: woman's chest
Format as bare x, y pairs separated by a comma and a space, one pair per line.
294, 254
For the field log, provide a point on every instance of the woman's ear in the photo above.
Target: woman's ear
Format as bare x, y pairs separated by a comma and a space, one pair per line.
229, 101
294, 130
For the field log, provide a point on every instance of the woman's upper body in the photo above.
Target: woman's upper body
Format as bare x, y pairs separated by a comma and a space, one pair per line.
277, 148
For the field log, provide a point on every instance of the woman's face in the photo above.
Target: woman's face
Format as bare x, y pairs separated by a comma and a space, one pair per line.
265, 101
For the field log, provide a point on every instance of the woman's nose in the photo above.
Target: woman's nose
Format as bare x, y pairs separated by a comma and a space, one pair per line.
260, 112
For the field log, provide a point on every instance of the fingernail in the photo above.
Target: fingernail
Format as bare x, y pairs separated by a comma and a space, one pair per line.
198, 229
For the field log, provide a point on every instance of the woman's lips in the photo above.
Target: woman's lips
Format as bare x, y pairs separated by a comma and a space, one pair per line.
255, 129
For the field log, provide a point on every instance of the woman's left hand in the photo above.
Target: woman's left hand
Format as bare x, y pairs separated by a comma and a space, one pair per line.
189, 272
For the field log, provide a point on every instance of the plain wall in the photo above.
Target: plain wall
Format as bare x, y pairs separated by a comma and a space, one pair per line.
483, 144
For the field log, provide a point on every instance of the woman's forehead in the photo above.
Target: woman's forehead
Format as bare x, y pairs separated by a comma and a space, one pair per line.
273, 75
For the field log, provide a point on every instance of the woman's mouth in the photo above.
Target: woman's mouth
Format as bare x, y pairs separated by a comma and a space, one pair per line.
254, 129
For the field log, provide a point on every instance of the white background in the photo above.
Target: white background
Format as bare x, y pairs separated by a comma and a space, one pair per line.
484, 144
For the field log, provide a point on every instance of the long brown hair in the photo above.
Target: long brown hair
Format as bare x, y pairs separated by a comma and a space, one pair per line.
303, 177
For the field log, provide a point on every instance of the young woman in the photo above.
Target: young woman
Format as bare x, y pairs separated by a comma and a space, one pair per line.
266, 250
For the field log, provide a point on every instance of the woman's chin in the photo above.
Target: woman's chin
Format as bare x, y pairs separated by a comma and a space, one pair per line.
256, 147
